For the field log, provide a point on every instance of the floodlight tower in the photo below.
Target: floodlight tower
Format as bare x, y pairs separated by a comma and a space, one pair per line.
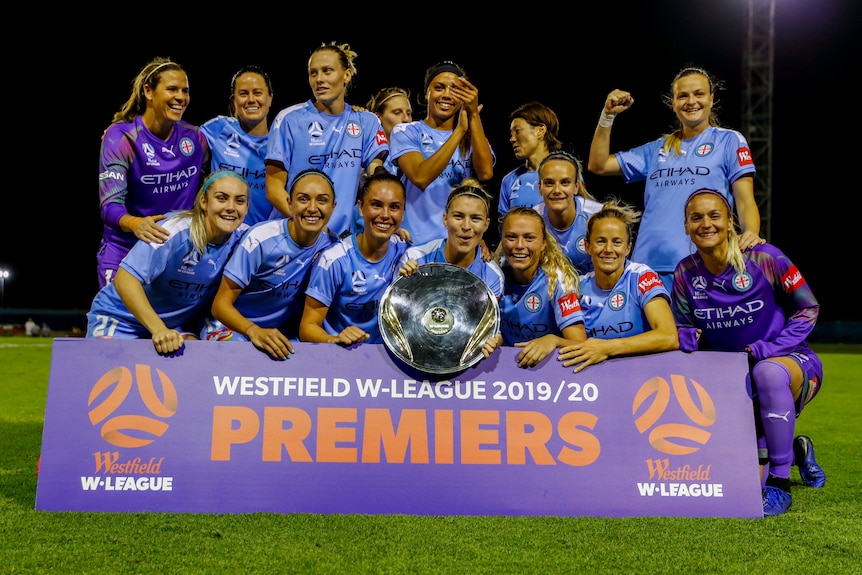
757, 77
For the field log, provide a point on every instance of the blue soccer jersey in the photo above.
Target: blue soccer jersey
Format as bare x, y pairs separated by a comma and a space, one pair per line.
526, 312
143, 175
619, 311
423, 216
179, 283
573, 239
769, 308
341, 145
520, 187
433, 252
273, 272
714, 159
235, 149
351, 286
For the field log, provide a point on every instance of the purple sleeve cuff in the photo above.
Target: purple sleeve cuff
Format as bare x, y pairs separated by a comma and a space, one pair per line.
687, 339
112, 212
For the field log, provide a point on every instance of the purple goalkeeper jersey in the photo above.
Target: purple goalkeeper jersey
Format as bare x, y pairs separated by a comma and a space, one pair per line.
143, 175
770, 307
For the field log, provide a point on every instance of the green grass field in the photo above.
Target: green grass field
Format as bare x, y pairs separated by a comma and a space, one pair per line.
822, 532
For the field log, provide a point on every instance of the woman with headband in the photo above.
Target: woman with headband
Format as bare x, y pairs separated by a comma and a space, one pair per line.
466, 219
262, 291
238, 141
161, 289
756, 302
150, 163
437, 153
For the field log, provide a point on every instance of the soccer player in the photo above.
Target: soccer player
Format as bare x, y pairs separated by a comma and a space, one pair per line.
539, 310
328, 134
533, 133
437, 153
161, 289
349, 278
698, 154
467, 218
626, 307
262, 290
150, 163
757, 302
392, 106
566, 205
238, 141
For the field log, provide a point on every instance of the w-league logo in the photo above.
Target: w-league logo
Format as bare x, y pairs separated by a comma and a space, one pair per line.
112, 392
674, 437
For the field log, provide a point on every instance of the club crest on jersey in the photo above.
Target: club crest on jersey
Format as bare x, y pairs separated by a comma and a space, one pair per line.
704, 149
617, 301
581, 244
533, 302
354, 130
187, 146
742, 282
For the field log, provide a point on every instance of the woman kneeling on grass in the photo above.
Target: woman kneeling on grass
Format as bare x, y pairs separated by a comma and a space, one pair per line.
773, 312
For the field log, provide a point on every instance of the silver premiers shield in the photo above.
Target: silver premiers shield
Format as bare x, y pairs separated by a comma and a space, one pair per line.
437, 319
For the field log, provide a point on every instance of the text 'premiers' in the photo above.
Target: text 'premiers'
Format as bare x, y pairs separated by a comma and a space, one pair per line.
405, 389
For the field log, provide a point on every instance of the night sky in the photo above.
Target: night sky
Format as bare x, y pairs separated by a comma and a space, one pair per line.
569, 62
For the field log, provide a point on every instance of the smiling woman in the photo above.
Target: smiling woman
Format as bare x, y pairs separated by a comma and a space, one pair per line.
161, 289
698, 153
326, 133
150, 163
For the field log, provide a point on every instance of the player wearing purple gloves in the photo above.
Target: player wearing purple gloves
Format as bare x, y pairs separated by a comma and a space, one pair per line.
759, 303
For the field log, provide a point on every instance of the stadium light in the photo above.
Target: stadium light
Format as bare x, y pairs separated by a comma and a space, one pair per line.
3, 275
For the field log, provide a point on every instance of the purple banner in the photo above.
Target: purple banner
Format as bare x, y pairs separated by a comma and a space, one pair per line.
224, 429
